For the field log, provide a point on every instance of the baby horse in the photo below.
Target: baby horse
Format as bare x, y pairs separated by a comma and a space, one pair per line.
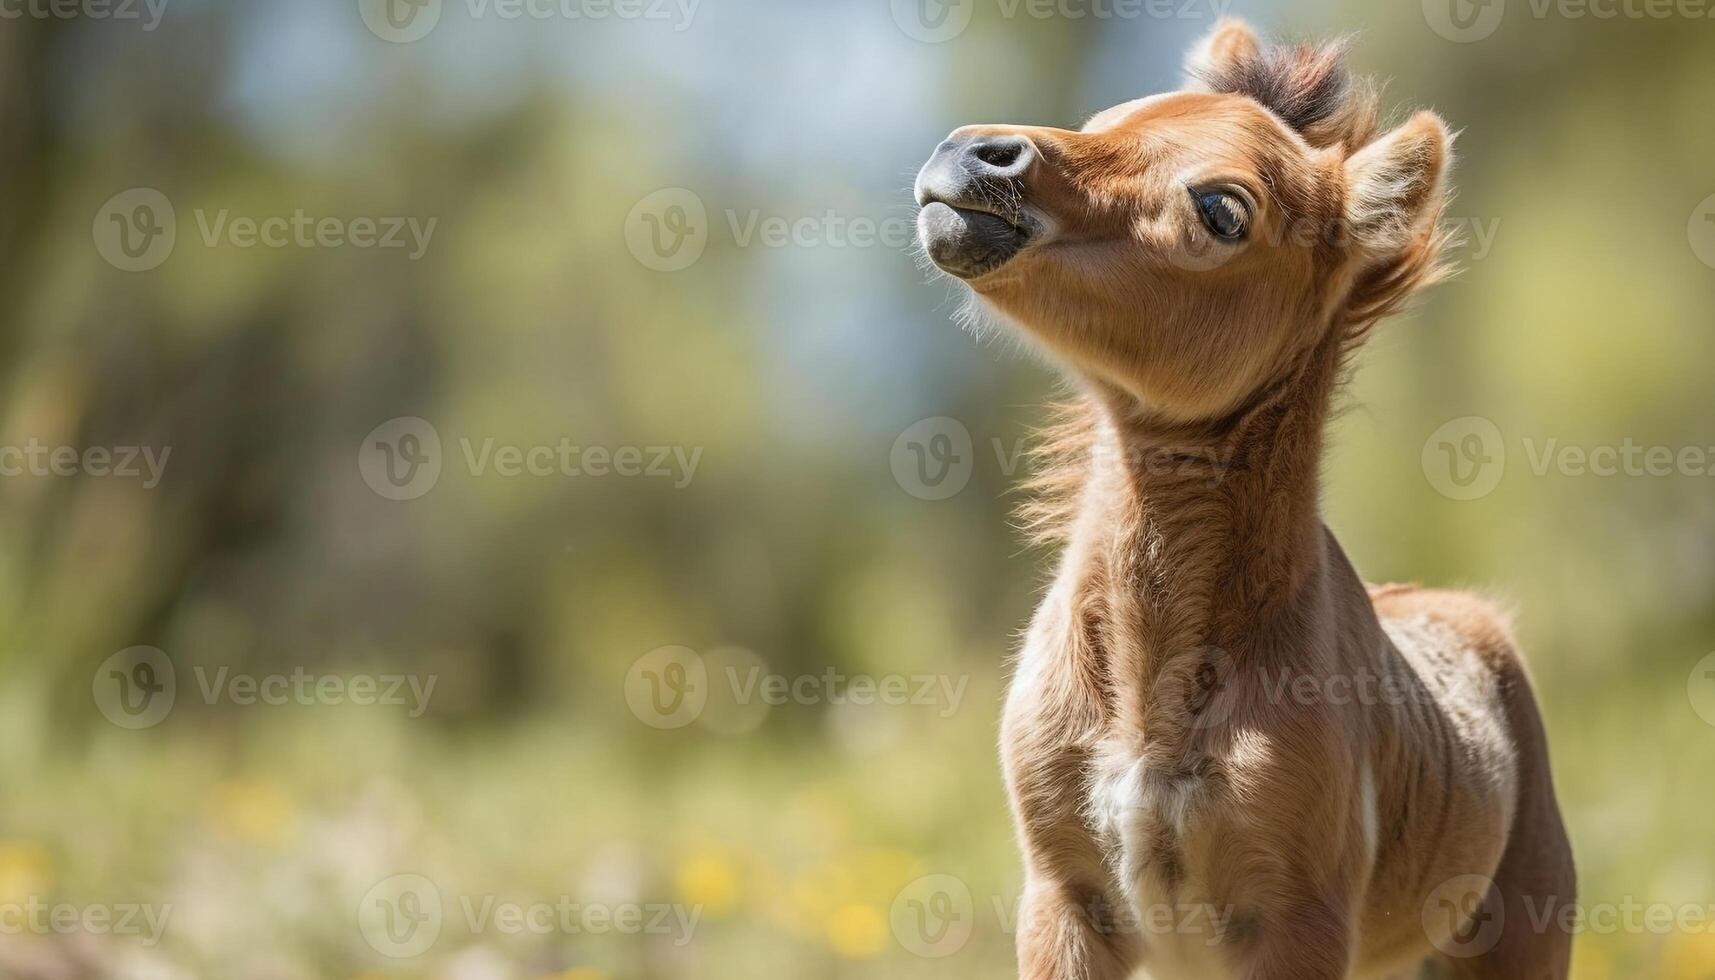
1210, 710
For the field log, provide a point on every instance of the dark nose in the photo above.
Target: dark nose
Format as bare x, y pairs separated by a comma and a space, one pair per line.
997, 156
967, 170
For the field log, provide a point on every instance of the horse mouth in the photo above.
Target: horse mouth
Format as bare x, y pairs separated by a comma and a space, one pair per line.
968, 242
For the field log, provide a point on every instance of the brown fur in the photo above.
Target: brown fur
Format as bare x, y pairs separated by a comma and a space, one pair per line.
1151, 756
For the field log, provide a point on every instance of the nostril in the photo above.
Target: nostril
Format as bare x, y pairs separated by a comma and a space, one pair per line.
1001, 153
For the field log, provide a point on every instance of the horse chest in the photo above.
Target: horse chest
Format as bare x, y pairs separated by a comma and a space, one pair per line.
1155, 822
1149, 816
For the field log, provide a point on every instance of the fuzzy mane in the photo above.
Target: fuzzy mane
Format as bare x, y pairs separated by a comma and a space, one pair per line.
1307, 86
1059, 461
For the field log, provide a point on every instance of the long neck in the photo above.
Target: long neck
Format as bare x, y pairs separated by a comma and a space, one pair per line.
1196, 539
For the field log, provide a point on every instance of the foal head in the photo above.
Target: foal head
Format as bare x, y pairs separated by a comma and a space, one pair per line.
1189, 248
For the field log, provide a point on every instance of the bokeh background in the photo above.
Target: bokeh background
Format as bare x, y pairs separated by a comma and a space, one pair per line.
686, 226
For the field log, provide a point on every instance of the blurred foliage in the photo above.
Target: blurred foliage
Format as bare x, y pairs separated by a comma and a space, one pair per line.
1586, 318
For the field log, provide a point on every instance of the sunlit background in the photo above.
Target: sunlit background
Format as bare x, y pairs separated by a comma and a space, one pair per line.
324, 691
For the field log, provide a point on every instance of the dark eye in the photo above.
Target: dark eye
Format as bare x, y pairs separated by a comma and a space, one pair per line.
1223, 214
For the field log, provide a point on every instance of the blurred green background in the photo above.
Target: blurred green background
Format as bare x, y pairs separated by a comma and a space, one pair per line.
683, 227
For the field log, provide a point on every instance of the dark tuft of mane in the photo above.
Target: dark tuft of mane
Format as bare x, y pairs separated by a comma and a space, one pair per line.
1308, 87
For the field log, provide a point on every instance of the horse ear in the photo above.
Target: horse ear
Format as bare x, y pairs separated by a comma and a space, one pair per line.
1397, 185
1230, 43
